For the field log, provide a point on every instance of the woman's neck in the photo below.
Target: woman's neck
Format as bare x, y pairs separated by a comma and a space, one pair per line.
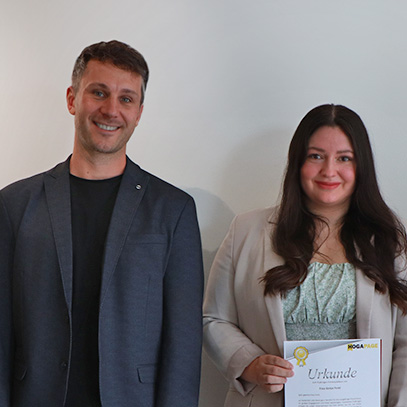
328, 247
332, 215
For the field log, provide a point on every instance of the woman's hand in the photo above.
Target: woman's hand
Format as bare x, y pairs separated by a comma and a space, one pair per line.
268, 371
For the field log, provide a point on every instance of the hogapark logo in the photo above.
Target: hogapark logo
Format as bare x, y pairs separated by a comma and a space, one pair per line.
357, 346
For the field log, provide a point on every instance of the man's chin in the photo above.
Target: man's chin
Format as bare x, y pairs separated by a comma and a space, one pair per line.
107, 150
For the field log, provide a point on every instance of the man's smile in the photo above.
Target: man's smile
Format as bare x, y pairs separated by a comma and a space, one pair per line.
106, 127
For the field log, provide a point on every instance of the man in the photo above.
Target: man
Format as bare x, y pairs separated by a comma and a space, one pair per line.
100, 263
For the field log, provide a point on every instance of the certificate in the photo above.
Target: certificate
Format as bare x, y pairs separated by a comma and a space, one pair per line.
338, 373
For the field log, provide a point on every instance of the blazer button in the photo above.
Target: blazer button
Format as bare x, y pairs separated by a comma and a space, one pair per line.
138, 186
64, 365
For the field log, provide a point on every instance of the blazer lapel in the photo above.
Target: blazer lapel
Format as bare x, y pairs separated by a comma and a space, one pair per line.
131, 191
273, 303
57, 192
365, 289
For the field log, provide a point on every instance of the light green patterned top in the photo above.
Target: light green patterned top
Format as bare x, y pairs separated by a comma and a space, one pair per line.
324, 305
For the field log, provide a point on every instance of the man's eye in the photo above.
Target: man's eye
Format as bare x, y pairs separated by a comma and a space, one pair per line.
126, 99
99, 93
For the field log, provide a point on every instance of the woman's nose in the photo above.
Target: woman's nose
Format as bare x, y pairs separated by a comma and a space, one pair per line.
329, 168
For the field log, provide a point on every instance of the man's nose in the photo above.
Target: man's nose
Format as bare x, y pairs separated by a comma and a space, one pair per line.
110, 107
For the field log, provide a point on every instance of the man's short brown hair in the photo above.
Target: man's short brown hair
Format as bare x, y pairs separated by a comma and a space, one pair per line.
115, 52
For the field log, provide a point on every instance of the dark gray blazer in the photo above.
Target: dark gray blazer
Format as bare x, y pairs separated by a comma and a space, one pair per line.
150, 302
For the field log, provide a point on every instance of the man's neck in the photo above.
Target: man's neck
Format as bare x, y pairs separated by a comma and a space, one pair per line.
102, 166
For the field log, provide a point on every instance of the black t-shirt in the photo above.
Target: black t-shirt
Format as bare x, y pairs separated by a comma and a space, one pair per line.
92, 203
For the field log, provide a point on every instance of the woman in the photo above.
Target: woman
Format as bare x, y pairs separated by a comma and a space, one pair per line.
326, 264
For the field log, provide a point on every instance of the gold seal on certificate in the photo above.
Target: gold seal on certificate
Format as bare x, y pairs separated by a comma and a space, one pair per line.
301, 353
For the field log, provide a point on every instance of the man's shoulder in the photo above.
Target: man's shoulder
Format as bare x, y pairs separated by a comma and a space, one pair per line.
158, 186
30, 184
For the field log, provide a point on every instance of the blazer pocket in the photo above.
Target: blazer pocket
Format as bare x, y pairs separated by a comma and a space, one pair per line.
147, 373
148, 238
20, 370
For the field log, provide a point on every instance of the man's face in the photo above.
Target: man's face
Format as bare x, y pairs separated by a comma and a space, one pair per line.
106, 107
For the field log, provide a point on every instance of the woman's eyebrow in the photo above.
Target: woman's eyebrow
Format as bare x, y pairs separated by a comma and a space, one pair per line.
323, 151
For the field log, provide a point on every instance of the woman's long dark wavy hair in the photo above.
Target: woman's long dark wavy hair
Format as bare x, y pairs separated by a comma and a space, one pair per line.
371, 234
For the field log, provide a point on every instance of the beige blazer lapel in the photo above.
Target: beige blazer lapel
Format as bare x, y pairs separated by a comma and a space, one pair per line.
365, 289
273, 303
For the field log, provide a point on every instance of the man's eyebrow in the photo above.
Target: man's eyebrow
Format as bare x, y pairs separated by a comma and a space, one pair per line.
125, 90
98, 84
104, 86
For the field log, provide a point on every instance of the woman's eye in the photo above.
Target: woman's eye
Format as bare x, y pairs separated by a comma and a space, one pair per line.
314, 156
345, 159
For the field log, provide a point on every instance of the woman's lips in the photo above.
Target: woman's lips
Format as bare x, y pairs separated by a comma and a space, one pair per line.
327, 185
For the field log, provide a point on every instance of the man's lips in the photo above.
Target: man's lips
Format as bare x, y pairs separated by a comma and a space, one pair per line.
106, 127
327, 185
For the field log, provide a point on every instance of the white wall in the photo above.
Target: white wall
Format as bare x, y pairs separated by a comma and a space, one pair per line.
230, 80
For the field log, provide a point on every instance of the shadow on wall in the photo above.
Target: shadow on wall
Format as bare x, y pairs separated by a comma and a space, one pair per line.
254, 169
214, 219
251, 178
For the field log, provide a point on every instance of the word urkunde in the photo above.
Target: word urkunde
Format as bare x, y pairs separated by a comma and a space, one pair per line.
329, 375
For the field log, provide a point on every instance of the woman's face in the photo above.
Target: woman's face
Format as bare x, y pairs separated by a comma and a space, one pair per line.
329, 172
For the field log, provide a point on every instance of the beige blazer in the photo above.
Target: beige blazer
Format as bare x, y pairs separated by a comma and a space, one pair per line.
240, 323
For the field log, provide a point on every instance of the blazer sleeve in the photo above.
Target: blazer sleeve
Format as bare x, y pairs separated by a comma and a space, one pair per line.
228, 347
397, 394
180, 364
6, 324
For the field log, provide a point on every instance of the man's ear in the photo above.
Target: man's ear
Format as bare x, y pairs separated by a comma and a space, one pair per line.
70, 100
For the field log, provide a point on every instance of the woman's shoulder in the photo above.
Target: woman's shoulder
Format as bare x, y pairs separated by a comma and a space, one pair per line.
255, 219
261, 214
